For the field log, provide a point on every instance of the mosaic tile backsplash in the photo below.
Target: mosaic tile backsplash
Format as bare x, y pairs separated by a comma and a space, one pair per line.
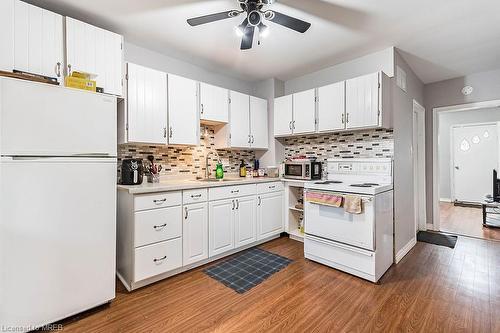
359, 144
187, 162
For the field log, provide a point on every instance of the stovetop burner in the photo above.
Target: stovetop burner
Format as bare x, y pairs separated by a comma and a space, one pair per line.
365, 185
328, 182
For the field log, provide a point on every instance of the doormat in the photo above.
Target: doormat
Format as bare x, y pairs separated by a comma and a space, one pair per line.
437, 239
247, 269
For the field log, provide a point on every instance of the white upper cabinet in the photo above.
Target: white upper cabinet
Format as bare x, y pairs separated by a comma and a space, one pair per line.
146, 105
362, 101
331, 107
214, 104
283, 115
304, 112
368, 102
183, 116
38, 40
258, 123
240, 120
31, 39
97, 51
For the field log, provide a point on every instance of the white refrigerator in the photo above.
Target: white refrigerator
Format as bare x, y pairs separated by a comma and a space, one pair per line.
58, 151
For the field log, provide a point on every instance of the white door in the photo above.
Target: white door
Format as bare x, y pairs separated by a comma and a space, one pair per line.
283, 115
214, 103
304, 112
221, 226
269, 215
362, 101
58, 236
147, 105
331, 107
97, 51
54, 129
195, 233
240, 120
245, 221
258, 123
38, 41
183, 117
475, 155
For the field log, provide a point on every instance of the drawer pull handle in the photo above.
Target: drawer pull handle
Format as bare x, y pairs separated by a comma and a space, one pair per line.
160, 201
157, 227
186, 210
196, 196
232, 208
260, 201
235, 191
237, 204
159, 259
271, 187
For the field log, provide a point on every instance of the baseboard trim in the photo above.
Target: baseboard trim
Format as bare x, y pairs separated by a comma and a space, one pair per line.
430, 226
445, 200
404, 251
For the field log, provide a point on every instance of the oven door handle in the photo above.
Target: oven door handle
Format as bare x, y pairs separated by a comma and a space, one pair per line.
364, 198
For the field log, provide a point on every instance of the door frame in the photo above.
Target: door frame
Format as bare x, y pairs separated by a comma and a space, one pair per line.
452, 153
418, 152
435, 150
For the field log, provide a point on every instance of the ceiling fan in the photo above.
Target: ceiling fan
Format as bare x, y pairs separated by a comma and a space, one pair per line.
255, 16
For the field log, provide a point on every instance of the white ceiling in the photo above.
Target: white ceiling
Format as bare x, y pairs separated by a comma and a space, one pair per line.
440, 39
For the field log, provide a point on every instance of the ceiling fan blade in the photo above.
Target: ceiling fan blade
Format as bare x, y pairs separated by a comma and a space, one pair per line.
290, 22
212, 17
247, 40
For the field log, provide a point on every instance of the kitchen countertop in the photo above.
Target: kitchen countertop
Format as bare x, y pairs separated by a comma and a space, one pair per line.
189, 184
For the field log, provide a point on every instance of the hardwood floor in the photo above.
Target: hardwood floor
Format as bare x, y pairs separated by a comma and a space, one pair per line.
432, 289
465, 221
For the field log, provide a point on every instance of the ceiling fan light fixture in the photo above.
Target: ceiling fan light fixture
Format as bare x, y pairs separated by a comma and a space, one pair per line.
240, 29
263, 30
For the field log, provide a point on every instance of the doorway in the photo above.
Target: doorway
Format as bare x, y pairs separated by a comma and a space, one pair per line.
465, 154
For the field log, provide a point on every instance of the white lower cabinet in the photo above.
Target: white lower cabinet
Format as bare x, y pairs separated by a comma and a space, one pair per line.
195, 233
269, 214
245, 221
221, 226
163, 234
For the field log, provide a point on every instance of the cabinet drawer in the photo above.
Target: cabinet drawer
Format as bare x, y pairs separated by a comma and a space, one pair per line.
152, 226
344, 257
269, 187
158, 258
194, 196
160, 200
227, 192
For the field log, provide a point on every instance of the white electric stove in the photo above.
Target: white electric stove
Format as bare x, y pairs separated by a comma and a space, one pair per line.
360, 244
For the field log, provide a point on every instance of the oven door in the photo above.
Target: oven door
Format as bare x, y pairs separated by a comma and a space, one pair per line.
295, 170
335, 224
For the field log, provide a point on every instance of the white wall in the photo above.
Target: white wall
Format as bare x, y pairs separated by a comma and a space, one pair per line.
446, 121
371, 63
446, 93
148, 58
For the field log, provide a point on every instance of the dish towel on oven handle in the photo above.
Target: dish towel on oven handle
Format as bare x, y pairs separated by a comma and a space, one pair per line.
353, 204
323, 198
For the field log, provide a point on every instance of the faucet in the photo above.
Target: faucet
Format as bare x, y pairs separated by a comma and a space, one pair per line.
207, 171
